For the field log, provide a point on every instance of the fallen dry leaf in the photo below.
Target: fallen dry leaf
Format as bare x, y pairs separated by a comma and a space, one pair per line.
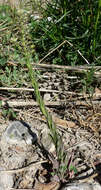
54, 185
97, 93
63, 123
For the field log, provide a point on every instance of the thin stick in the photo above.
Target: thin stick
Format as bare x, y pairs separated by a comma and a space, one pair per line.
44, 90
3, 23
22, 169
30, 103
27, 89
51, 52
89, 178
74, 68
21, 189
83, 57
65, 41
2, 29
16, 104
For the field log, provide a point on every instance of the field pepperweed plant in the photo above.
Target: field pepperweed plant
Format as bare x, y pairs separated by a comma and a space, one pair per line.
63, 164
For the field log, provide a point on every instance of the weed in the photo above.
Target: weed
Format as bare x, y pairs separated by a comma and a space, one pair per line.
5, 13
9, 113
88, 82
63, 164
11, 77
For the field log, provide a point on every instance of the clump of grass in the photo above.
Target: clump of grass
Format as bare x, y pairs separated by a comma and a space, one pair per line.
96, 26
76, 21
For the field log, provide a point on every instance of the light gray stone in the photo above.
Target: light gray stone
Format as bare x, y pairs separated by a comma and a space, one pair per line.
82, 186
56, 84
46, 140
15, 144
17, 132
45, 84
49, 87
6, 180
47, 97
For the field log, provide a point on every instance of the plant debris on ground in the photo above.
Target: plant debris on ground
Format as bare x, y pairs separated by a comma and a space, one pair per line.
35, 40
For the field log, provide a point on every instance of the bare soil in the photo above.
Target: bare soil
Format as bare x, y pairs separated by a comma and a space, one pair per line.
78, 120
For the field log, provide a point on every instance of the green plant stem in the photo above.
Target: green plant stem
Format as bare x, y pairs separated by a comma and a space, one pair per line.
54, 134
53, 131
96, 23
61, 156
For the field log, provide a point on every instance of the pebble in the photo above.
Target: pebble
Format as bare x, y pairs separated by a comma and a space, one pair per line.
47, 97
6, 181
82, 186
46, 140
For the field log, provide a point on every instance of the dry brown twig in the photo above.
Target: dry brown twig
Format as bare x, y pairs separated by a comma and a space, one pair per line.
30, 103
24, 168
77, 69
2, 29
81, 95
64, 42
2, 23
15, 104
26, 89
74, 68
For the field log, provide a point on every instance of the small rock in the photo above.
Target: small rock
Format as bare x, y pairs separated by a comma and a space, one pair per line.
66, 87
17, 132
53, 76
47, 97
46, 140
56, 84
6, 180
82, 186
15, 144
49, 87
45, 84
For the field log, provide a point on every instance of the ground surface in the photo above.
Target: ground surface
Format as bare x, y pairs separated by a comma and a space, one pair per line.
77, 118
